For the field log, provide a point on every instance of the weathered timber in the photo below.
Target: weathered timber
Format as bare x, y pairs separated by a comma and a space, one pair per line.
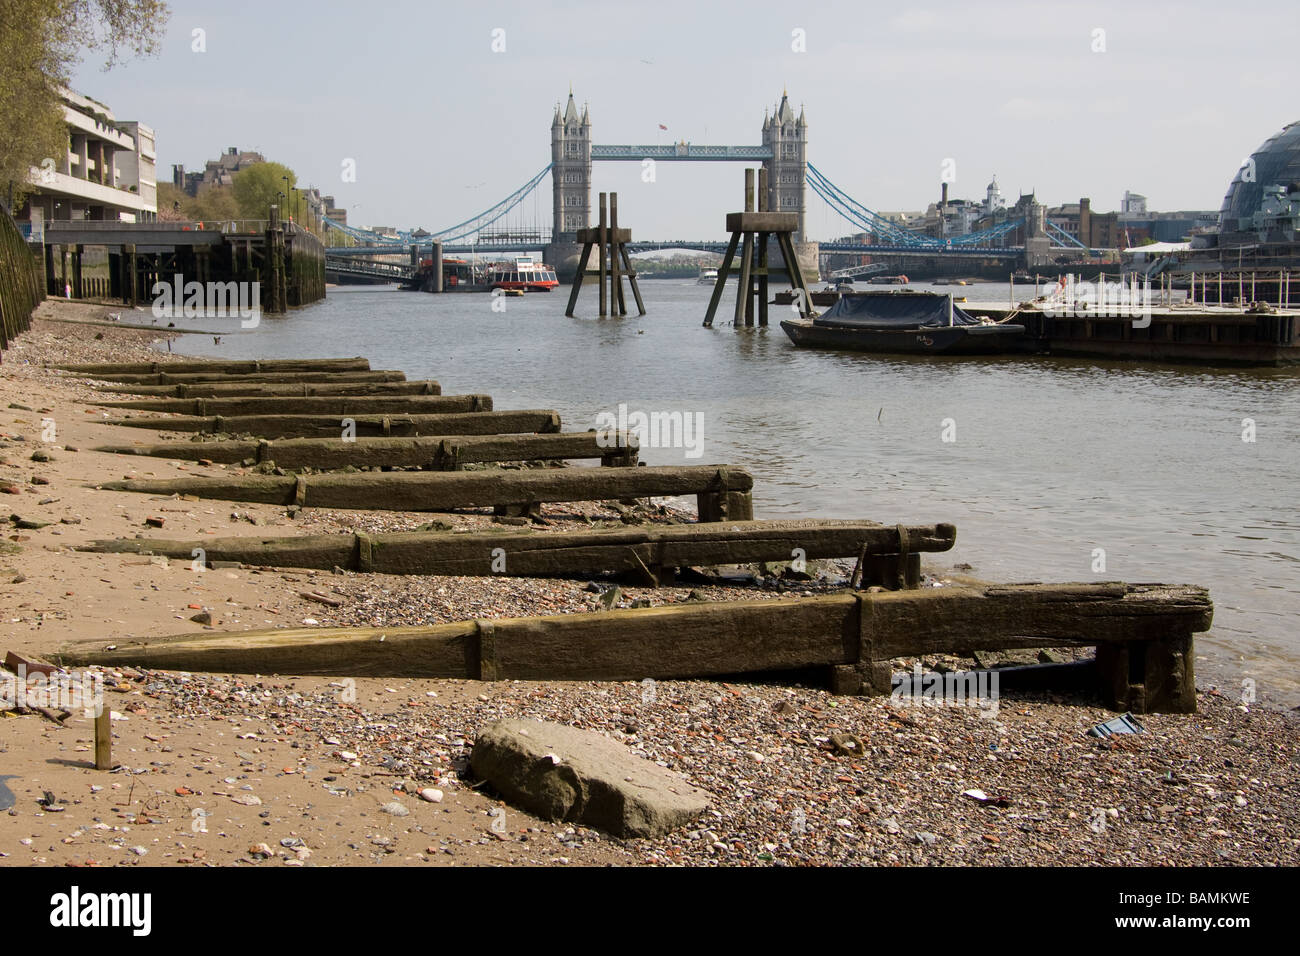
435, 452
656, 549
192, 378
863, 630
240, 387
309, 405
222, 366
506, 490
525, 421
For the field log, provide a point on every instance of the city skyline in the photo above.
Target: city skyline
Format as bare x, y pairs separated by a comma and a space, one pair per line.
439, 126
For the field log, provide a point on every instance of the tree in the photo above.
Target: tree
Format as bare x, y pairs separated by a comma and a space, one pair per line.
257, 188
41, 41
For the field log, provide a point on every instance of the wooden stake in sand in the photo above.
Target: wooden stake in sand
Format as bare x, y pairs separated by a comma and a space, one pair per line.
104, 739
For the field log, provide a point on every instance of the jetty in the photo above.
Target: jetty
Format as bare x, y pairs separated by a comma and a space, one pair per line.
414, 459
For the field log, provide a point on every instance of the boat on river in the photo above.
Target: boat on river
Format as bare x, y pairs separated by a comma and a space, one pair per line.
926, 323
522, 275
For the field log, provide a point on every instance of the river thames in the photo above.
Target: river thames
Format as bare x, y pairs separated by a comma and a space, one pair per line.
1049, 460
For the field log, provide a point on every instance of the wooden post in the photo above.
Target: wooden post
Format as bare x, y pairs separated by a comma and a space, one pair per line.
722, 280
762, 249
577, 279
78, 289
631, 279
743, 316
104, 739
604, 268
49, 268
618, 305
132, 292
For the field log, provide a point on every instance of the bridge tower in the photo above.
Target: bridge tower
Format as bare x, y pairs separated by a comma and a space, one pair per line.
570, 183
787, 173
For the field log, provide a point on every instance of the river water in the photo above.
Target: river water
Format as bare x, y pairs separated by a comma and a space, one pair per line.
1050, 459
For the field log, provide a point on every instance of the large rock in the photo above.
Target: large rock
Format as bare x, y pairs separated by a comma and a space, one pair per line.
580, 776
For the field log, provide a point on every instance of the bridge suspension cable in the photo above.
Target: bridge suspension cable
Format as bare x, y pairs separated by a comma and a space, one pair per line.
457, 233
889, 232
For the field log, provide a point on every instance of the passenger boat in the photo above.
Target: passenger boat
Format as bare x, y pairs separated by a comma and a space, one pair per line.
523, 274
926, 323
707, 277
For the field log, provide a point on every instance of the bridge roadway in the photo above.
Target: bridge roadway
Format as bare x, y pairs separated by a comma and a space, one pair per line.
956, 252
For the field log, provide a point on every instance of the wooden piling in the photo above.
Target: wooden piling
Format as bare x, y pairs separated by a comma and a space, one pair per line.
654, 549
515, 421
613, 262
104, 738
1146, 631
603, 253
723, 492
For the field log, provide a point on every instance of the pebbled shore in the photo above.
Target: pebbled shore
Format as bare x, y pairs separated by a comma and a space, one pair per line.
323, 758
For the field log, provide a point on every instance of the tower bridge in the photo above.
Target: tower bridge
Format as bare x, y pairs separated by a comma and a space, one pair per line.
782, 152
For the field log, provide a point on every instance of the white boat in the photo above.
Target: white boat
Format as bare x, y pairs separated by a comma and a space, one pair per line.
707, 277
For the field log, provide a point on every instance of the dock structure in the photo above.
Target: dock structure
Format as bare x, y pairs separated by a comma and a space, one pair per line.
286, 261
752, 230
1143, 633
610, 243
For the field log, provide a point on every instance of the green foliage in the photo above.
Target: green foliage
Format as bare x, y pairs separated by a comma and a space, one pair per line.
213, 204
258, 187
40, 43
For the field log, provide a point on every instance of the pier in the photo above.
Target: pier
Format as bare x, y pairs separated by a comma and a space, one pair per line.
284, 263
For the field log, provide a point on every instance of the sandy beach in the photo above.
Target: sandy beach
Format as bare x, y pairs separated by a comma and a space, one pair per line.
267, 770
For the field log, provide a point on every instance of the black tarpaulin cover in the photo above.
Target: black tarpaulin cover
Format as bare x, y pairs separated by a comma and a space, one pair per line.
893, 310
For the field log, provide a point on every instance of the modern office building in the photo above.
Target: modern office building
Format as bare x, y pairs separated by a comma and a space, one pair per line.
108, 171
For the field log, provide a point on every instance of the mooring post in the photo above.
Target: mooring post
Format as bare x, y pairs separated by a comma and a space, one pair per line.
762, 250
132, 295
601, 234
723, 271
744, 314
617, 305
79, 292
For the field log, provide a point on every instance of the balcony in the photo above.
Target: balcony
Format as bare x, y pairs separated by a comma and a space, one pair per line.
92, 127
54, 183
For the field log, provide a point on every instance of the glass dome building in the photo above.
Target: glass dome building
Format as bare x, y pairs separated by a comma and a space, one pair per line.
1276, 163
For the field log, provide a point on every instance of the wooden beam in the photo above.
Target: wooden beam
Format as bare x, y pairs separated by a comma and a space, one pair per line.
722, 280
578, 278
307, 405
570, 553
863, 630
223, 367
443, 491
240, 388
436, 452
190, 378
786, 222
743, 316
330, 426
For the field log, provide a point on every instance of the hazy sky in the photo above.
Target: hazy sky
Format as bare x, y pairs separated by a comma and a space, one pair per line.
441, 127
